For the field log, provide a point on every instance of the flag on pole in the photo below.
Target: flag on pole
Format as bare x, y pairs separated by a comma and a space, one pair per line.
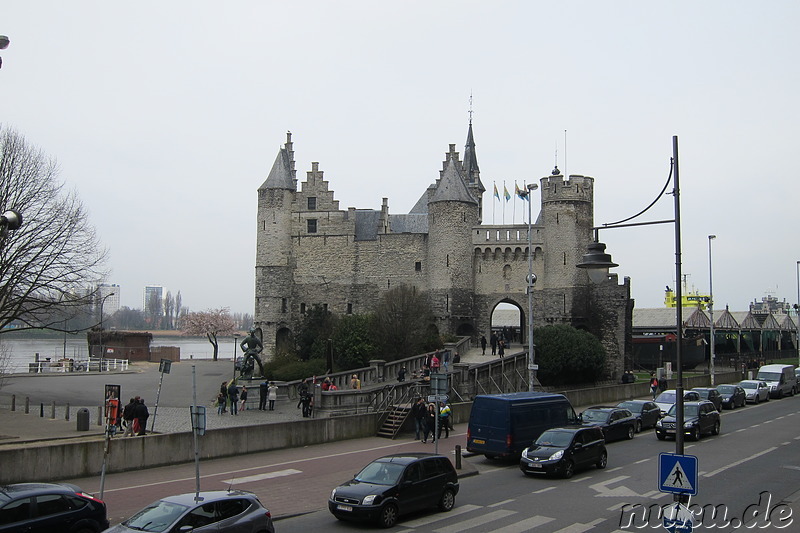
506, 195
496, 194
518, 191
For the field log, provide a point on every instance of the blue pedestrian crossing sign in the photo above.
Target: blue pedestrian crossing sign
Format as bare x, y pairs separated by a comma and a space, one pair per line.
677, 473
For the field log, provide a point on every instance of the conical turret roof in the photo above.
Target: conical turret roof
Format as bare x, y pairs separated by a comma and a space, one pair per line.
280, 177
451, 186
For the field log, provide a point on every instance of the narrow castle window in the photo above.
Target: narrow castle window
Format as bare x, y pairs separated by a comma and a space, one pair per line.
312, 225
312, 203
418, 266
349, 309
325, 307
284, 305
302, 309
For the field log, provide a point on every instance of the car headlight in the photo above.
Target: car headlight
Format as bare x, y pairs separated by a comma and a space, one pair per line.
333, 494
558, 455
690, 424
659, 423
369, 500
525, 453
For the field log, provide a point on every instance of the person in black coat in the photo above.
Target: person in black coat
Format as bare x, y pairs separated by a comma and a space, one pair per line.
141, 413
262, 396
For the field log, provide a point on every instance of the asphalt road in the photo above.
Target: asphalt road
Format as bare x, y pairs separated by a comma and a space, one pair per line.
757, 452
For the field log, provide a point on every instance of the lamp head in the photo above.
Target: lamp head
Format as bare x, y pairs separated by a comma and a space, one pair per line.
597, 262
11, 219
4, 42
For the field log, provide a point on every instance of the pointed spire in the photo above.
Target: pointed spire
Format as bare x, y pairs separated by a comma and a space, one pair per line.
282, 174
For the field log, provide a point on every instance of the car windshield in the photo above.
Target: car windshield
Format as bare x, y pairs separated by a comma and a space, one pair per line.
557, 439
726, 389
666, 397
748, 385
632, 406
703, 393
769, 376
381, 473
156, 517
594, 416
688, 410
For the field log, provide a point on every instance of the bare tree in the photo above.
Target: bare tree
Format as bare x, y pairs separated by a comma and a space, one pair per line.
46, 264
211, 323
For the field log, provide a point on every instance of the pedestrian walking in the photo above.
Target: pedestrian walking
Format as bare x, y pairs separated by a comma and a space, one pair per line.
501, 348
233, 397
435, 364
355, 383
418, 411
221, 400
128, 417
243, 399
444, 420
493, 342
223, 389
446, 360
483, 344
142, 414
430, 422
272, 395
262, 395
653, 385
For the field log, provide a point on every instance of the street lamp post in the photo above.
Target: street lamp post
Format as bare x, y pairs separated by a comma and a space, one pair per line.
103, 348
597, 261
797, 315
712, 340
531, 280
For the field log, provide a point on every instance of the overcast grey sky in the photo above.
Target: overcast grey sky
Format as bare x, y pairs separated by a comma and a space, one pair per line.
167, 116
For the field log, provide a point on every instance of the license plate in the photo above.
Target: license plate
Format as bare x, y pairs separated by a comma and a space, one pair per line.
534, 465
344, 508
479, 441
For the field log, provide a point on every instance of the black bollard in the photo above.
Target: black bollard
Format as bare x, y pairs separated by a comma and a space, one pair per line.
41, 410
458, 457
66, 413
13, 402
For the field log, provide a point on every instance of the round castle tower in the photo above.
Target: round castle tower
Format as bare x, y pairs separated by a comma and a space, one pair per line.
274, 265
452, 213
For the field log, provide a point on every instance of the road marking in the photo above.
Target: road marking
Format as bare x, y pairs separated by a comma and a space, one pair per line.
580, 528
475, 522
642, 461
620, 492
614, 469
461, 509
792, 467
498, 504
546, 489
259, 477
737, 463
525, 525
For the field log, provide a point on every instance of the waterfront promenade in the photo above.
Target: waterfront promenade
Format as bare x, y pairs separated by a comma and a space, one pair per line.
142, 379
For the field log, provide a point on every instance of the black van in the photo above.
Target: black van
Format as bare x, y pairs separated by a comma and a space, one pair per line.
502, 425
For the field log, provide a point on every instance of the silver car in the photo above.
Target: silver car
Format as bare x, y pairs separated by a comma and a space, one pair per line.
219, 511
756, 391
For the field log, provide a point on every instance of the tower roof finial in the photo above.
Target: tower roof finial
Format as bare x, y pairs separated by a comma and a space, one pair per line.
470, 107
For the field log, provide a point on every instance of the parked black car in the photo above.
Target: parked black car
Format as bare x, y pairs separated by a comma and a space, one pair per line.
394, 485
646, 412
699, 418
733, 396
616, 423
711, 394
40, 507
564, 450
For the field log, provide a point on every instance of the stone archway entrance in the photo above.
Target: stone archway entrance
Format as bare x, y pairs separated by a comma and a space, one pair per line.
508, 318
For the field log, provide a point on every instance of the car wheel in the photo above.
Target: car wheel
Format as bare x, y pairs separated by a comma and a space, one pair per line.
603, 461
448, 500
631, 432
757, 400
732, 406
780, 394
660, 436
569, 469
388, 516
715, 431
696, 434
638, 426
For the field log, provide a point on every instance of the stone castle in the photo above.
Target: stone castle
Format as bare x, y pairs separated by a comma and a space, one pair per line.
310, 252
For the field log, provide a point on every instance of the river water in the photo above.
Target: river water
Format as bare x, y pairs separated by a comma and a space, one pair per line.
18, 351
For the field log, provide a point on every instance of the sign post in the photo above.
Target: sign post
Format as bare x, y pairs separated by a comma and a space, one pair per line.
678, 474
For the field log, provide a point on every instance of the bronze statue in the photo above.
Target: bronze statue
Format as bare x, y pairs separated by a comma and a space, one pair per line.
251, 346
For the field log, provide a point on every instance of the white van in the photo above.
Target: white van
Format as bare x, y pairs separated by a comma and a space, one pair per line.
780, 378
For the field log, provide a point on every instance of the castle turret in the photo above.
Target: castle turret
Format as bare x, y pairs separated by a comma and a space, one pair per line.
274, 247
567, 217
472, 174
452, 213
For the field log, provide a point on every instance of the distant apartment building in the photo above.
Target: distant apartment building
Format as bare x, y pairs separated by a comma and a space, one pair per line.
150, 292
109, 294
